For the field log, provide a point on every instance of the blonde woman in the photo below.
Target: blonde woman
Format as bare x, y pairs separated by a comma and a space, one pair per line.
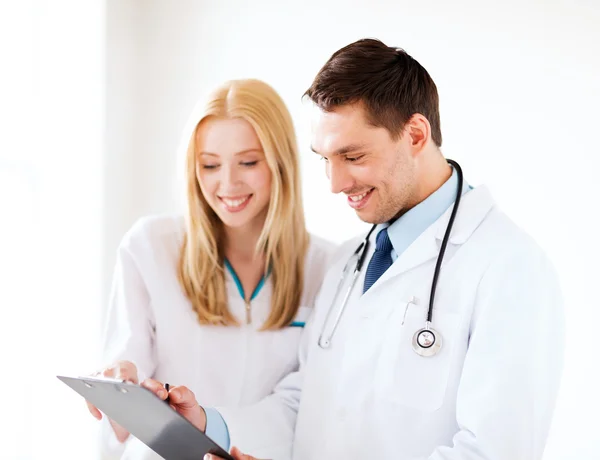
217, 299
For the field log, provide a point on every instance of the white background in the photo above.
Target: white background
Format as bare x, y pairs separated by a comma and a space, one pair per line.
93, 99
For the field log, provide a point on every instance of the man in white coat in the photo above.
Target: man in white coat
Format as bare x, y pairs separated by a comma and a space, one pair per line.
481, 382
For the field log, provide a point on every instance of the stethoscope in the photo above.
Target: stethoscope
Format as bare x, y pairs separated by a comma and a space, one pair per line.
426, 341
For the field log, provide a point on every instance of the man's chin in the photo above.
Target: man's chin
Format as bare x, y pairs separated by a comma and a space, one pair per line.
370, 217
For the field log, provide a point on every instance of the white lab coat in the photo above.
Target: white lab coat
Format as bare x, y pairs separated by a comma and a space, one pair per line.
489, 393
151, 322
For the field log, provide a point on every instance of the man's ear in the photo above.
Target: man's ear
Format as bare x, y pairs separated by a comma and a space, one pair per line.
418, 133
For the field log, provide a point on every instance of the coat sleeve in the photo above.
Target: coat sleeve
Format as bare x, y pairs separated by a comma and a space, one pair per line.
273, 419
513, 366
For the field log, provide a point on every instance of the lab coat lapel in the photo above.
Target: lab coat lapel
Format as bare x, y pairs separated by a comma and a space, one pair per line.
422, 250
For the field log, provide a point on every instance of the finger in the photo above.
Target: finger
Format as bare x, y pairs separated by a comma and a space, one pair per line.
183, 397
155, 387
108, 372
118, 373
94, 410
125, 370
238, 455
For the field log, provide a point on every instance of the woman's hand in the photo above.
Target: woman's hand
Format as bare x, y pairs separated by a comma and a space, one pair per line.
122, 370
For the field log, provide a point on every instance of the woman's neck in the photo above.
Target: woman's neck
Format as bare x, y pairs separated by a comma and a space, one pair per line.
247, 263
240, 242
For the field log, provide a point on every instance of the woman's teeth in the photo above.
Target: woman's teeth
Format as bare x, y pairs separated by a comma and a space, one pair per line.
235, 203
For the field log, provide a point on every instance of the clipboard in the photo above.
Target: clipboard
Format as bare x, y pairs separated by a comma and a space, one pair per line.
147, 417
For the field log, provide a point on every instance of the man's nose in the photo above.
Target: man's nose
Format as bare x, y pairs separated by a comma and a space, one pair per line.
339, 178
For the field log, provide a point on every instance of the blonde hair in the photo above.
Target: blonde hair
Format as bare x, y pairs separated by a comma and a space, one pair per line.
284, 239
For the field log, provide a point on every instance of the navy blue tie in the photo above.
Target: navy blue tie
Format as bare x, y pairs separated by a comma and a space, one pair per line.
380, 261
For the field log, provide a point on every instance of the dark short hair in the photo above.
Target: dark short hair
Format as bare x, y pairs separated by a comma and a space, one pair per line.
388, 81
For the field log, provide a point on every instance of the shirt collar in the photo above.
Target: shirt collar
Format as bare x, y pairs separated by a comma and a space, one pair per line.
415, 221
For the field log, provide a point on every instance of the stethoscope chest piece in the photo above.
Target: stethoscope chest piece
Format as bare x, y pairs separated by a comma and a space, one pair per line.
427, 341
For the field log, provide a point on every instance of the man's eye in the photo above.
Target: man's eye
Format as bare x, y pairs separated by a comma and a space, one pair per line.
353, 159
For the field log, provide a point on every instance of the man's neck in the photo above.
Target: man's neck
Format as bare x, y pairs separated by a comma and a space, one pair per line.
432, 176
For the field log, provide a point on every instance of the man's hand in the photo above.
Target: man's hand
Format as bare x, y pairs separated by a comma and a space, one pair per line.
182, 399
235, 453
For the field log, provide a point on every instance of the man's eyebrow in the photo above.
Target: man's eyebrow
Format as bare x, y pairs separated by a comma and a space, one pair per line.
345, 149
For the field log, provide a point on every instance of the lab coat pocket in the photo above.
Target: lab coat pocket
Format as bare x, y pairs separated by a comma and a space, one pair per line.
403, 376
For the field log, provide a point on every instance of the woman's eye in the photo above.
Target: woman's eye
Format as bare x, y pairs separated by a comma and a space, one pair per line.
211, 166
249, 163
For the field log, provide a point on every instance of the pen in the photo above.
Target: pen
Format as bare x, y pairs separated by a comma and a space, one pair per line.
167, 388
